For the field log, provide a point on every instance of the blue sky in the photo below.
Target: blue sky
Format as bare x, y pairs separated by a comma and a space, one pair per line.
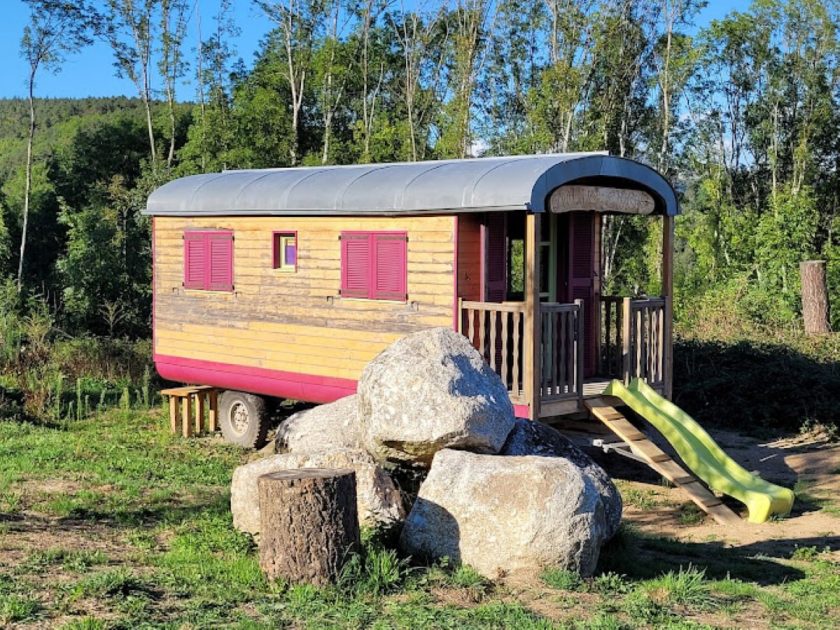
91, 73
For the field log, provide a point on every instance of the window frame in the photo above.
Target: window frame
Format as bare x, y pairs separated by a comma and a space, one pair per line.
372, 293
207, 235
277, 257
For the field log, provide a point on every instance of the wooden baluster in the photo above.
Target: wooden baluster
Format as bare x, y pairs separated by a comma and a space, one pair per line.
552, 356
561, 357
471, 326
662, 344
517, 340
493, 341
652, 345
627, 340
653, 342
657, 318
572, 350
607, 367
640, 342
504, 316
481, 347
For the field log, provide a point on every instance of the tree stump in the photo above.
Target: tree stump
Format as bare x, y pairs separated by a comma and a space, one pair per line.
309, 524
814, 297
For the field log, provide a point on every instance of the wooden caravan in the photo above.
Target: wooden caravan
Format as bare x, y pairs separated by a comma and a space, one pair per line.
286, 282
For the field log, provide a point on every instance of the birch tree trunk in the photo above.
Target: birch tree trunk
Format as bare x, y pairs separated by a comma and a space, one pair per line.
27, 191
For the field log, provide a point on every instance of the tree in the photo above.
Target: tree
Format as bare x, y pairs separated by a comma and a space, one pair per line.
173, 27
300, 23
128, 26
469, 28
55, 29
421, 42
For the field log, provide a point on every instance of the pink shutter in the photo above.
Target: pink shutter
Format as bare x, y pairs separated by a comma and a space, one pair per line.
355, 264
195, 260
495, 258
220, 254
390, 266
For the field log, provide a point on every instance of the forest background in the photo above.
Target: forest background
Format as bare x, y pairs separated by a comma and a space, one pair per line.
740, 114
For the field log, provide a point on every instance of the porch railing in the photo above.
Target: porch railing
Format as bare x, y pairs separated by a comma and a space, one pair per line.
496, 331
634, 339
645, 332
562, 336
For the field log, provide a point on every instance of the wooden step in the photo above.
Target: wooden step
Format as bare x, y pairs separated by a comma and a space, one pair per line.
660, 461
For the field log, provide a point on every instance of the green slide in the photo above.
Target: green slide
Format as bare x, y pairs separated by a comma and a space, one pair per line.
702, 454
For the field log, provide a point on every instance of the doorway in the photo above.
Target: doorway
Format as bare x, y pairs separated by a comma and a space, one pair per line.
577, 262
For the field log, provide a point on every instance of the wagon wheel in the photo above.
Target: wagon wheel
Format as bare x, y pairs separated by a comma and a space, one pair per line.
243, 418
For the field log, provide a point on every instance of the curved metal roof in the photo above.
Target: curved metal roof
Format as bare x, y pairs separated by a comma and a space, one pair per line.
481, 184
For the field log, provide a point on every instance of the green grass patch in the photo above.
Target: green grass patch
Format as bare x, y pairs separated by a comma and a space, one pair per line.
174, 559
561, 579
17, 608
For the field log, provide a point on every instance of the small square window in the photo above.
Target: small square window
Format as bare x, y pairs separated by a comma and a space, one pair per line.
285, 251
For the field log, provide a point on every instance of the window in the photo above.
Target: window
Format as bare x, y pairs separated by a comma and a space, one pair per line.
373, 265
285, 251
208, 260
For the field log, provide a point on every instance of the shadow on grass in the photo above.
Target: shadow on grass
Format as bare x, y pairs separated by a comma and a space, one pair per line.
81, 519
643, 557
755, 386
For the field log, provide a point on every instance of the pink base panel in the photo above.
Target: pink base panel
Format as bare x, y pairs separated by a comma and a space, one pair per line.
320, 389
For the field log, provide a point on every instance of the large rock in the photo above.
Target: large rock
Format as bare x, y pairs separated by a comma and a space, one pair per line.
429, 391
504, 515
535, 438
378, 499
323, 428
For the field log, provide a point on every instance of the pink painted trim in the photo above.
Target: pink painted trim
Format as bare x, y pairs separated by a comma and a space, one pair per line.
457, 238
256, 380
154, 266
522, 411
279, 383
275, 253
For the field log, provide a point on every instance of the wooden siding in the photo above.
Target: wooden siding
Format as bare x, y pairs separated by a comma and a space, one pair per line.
297, 322
469, 257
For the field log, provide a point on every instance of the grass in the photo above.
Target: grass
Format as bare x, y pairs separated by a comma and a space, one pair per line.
110, 522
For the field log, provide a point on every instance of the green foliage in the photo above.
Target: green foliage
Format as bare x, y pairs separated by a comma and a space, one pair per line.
758, 372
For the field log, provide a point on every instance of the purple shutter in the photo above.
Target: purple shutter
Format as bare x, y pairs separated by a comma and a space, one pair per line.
390, 268
220, 255
495, 258
355, 264
195, 260
582, 276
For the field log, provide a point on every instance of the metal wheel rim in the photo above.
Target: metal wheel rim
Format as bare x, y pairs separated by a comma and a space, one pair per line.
239, 419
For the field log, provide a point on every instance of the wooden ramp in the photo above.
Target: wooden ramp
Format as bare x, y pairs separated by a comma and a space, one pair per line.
603, 408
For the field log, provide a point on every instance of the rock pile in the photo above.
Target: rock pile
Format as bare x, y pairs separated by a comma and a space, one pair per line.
500, 494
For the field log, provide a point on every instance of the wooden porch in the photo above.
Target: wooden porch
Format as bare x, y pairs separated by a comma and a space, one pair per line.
546, 355
547, 369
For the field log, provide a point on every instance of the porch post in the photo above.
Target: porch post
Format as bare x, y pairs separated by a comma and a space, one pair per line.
533, 328
668, 292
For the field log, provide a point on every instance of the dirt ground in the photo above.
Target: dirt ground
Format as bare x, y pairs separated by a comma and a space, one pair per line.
808, 463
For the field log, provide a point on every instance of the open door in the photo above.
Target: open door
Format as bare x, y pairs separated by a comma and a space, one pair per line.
577, 269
